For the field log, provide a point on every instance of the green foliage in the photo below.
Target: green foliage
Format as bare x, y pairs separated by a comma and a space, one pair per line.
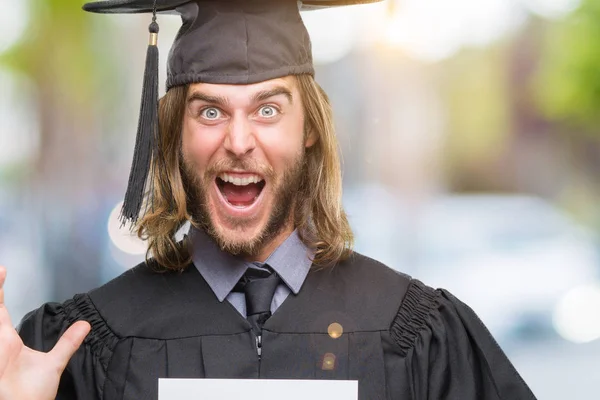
475, 91
58, 48
66, 57
567, 85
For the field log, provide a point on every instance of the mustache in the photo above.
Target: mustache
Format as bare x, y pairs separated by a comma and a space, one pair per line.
249, 165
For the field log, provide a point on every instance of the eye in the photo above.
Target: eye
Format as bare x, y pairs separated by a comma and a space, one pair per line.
211, 113
268, 111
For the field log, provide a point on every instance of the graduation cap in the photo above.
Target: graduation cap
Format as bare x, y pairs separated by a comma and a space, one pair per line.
220, 42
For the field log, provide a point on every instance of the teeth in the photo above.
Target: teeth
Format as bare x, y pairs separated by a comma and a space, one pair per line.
240, 181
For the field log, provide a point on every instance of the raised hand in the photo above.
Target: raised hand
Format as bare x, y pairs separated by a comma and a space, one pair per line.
26, 374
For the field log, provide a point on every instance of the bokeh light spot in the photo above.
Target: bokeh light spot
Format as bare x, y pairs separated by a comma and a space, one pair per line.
121, 237
328, 362
13, 22
577, 317
335, 330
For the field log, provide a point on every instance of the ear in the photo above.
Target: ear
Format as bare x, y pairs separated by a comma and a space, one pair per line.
311, 138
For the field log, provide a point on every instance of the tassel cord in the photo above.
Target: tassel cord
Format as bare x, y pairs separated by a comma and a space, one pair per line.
146, 138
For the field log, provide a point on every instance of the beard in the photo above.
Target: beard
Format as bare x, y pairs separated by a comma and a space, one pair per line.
285, 190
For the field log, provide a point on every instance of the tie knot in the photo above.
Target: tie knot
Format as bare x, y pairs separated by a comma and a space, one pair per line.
256, 271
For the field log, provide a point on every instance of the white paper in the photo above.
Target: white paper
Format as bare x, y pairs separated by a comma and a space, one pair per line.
256, 389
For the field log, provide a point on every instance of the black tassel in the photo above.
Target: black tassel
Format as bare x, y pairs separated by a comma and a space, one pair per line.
146, 133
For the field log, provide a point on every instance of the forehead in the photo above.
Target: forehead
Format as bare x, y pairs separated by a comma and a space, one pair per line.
244, 91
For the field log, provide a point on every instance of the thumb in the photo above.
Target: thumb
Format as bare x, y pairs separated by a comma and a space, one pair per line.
69, 343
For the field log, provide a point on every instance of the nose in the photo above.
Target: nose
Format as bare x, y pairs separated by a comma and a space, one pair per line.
240, 139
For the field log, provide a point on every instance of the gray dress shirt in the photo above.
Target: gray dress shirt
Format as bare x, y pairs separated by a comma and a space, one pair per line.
221, 270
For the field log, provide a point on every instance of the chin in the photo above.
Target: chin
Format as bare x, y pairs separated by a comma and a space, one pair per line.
240, 234
239, 241
235, 234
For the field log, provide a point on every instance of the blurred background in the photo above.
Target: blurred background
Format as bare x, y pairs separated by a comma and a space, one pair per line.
470, 132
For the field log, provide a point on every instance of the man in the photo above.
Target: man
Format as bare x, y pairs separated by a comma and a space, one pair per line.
265, 284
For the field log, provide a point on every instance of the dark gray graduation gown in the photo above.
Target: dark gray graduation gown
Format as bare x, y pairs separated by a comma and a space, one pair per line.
402, 340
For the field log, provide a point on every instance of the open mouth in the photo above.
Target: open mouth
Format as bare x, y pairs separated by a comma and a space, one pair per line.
240, 190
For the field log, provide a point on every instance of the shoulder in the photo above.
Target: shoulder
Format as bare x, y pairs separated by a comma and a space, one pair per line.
139, 302
138, 284
365, 276
360, 265
139, 277
144, 301
131, 287
365, 289
405, 306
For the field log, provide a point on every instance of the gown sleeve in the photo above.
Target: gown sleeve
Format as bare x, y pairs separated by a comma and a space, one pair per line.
86, 372
450, 354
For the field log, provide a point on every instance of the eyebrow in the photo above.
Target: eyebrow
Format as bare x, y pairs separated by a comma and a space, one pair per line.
258, 97
276, 91
218, 100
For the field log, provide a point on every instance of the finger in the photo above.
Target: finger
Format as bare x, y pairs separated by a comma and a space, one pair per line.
4, 317
69, 343
2, 279
10, 345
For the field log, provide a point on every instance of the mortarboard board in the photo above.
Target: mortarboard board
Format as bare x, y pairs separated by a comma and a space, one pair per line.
220, 42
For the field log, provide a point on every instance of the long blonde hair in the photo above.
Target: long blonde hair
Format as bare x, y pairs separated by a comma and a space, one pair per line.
319, 216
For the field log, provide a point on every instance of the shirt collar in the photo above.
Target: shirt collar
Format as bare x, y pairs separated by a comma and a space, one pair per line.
222, 270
